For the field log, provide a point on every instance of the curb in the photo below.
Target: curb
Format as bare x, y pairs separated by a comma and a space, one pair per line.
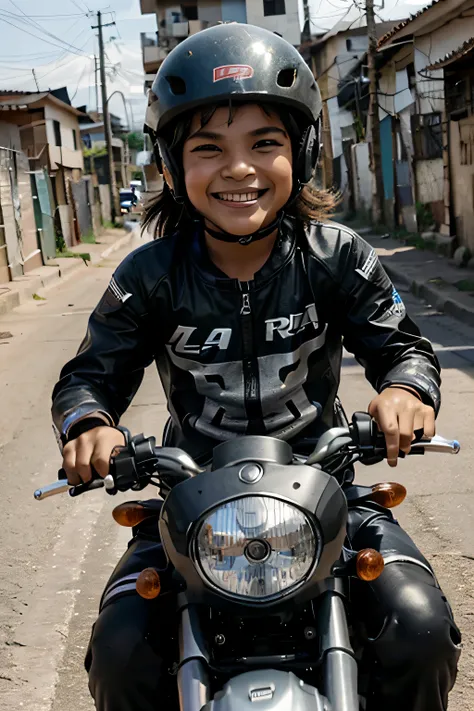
20, 291
441, 300
117, 245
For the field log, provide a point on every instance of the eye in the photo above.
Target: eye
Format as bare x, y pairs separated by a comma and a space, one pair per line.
206, 147
267, 143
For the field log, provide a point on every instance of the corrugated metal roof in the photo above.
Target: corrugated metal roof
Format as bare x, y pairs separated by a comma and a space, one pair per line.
22, 98
401, 25
453, 56
18, 99
351, 27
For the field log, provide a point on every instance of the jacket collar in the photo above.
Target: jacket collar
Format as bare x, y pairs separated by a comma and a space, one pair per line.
282, 252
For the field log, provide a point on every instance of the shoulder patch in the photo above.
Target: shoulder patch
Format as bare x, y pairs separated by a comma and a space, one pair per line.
118, 292
369, 266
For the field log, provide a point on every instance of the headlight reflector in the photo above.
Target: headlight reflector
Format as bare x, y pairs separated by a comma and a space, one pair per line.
255, 547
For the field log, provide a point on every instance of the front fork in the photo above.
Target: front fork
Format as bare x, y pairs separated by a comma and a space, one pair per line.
339, 664
193, 677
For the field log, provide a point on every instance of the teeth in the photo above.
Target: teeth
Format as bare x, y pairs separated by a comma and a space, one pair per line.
238, 197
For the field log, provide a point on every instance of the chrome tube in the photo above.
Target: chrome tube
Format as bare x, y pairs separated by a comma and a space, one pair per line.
57, 487
193, 677
193, 685
437, 444
340, 667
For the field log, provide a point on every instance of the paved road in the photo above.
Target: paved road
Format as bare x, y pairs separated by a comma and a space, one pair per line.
56, 555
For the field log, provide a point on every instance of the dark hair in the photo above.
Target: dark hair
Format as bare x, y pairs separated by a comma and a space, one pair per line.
165, 215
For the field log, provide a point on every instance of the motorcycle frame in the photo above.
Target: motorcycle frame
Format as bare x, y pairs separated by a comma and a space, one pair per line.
339, 664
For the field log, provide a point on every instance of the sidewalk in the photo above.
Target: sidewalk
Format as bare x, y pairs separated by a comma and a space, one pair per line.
427, 275
21, 289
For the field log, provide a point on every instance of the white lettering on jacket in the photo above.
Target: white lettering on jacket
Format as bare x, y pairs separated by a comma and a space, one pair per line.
290, 326
219, 337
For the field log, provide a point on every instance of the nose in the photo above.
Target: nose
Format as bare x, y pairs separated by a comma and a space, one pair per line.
238, 167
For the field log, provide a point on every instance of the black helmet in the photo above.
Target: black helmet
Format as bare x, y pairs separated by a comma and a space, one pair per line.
236, 63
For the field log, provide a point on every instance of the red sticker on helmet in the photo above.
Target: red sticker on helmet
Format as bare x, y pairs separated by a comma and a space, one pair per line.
233, 71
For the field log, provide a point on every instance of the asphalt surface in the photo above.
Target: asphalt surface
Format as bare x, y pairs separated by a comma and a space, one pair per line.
56, 555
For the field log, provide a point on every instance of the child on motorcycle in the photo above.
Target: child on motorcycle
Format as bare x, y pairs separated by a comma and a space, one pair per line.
243, 300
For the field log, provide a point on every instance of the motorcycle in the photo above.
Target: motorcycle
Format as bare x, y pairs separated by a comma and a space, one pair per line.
256, 545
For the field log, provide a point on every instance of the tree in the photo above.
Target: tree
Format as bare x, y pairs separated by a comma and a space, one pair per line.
135, 140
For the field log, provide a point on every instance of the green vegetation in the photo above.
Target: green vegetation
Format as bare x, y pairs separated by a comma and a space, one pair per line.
424, 216
37, 297
94, 152
66, 254
465, 285
88, 238
136, 140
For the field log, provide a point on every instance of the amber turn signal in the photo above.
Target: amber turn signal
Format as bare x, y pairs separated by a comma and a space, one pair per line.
369, 564
131, 513
388, 494
148, 584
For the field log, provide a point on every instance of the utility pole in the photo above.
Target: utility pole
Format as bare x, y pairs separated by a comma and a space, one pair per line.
306, 34
96, 69
376, 163
36, 80
106, 117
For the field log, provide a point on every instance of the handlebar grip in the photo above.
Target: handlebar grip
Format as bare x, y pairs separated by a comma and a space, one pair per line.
97, 482
58, 487
82, 488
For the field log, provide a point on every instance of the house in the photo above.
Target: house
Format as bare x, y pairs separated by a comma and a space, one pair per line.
332, 57
175, 22
19, 244
458, 68
434, 106
92, 130
50, 138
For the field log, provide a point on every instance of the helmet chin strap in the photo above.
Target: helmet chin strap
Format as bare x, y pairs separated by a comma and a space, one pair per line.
224, 236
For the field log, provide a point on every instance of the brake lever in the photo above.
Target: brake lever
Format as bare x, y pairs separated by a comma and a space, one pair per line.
62, 486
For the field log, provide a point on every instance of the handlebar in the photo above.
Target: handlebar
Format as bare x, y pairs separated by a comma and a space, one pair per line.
140, 460
436, 444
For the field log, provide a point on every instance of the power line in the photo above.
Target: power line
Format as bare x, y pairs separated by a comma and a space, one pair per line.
79, 80
38, 26
63, 64
78, 7
74, 50
80, 34
46, 17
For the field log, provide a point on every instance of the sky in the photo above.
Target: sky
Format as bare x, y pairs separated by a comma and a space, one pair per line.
54, 37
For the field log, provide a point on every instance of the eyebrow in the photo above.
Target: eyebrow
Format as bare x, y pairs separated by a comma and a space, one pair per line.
203, 133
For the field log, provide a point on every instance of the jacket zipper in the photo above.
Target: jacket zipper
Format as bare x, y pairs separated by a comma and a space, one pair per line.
250, 366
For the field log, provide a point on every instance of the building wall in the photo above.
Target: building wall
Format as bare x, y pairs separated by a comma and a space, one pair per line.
363, 177
336, 61
462, 176
428, 49
210, 11
17, 206
287, 25
386, 90
65, 154
429, 180
234, 11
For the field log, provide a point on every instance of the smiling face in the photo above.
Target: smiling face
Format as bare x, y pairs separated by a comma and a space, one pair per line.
238, 176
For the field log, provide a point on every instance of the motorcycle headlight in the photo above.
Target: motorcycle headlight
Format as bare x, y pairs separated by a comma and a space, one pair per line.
255, 547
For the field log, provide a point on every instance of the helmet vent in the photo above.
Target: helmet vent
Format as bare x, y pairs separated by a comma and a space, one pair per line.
287, 77
177, 85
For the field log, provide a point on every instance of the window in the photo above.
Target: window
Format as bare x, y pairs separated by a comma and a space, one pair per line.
427, 136
189, 12
74, 138
57, 133
274, 7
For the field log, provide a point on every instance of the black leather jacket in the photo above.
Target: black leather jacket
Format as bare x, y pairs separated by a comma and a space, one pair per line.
244, 358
